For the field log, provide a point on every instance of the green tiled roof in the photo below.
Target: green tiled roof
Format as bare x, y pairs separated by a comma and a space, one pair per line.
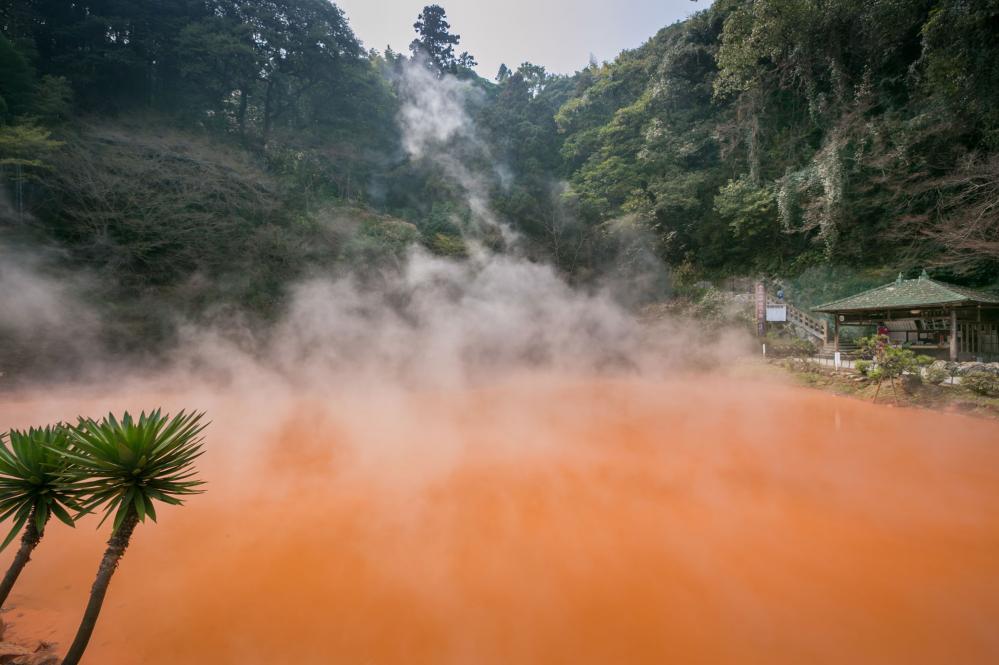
909, 293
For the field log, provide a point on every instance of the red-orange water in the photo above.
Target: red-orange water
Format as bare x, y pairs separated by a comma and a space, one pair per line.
550, 521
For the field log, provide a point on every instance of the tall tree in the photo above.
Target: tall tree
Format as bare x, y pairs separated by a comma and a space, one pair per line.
435, 42
16, 80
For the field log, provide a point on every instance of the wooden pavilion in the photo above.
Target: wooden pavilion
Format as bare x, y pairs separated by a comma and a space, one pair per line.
934, 318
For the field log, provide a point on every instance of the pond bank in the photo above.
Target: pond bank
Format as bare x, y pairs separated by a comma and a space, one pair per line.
847, 381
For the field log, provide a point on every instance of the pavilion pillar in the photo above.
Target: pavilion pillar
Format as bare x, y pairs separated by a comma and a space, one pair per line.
953, 335
836, 334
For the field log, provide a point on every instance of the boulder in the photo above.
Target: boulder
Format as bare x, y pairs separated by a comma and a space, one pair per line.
968, 368
911, 383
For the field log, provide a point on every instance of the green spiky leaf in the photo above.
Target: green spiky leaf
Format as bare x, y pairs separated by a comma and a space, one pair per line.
125, 465
35, 478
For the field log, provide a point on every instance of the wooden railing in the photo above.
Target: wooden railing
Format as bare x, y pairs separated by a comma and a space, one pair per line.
803, 321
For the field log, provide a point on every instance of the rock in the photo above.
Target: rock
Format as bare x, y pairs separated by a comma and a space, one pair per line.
8, 652
911, 383
44, 655
38, 658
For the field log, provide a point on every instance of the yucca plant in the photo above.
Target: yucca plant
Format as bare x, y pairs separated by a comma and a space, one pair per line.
34, 485
125, 466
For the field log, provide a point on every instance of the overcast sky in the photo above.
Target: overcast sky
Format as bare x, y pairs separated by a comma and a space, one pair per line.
559, 34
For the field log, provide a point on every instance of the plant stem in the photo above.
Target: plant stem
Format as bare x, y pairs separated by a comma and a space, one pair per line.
29, 540
115, 550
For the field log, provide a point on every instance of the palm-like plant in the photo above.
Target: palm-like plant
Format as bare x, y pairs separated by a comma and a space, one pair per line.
34, 485
125, 466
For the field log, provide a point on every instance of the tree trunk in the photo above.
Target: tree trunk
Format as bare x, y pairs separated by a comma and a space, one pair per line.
114, 552
28, 542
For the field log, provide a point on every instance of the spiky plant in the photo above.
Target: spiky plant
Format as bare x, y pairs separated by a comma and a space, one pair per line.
125, 466
34, 485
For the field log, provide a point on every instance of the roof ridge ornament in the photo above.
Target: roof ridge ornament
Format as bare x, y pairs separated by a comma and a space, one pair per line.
924, 274
898, 281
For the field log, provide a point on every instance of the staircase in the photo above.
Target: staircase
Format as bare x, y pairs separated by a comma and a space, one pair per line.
846, 349
804, 323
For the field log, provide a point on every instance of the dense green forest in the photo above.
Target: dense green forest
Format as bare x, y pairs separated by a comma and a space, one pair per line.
191, 157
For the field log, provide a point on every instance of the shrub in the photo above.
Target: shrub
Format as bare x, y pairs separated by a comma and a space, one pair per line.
983, 383
894, 361
863, 366
868, 347
789, 347
936, 374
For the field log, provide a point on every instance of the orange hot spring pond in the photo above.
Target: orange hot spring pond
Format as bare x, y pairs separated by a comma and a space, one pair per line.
546, 520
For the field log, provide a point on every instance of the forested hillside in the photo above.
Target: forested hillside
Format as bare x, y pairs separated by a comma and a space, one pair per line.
778, 135
191, 157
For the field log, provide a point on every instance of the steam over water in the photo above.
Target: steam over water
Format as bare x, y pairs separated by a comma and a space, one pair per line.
545, 518
476, 464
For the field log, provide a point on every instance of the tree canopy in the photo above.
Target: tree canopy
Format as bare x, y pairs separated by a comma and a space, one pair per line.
223, 139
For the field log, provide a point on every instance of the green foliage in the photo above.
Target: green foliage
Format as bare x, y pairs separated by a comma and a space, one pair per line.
960, 54
935, 374
27, 146
36, 480
871, 345
16, 81
436, 42
784, 346
125, 466
787, 135
863, 367
447, 245
53, 99
748, 209
983, 383
821, 282
817, 142
373, 241
890, 362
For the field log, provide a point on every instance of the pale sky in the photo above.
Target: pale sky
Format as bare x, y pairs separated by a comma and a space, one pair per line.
559, 34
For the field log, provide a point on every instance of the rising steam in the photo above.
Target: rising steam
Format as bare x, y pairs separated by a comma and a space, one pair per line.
474, 462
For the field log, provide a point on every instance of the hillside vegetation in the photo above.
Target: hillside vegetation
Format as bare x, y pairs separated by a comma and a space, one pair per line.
189, 157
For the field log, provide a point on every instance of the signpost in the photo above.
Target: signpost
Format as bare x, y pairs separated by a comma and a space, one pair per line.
761, 309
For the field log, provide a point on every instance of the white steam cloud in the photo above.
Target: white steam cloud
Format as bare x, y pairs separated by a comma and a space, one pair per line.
431, 322
437, 128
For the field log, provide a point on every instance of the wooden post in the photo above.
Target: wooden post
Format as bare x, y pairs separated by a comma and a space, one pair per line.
836, 334
953, 335
825, 330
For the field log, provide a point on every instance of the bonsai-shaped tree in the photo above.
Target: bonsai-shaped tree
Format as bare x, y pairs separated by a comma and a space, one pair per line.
894, 362
34, 485
125, 467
